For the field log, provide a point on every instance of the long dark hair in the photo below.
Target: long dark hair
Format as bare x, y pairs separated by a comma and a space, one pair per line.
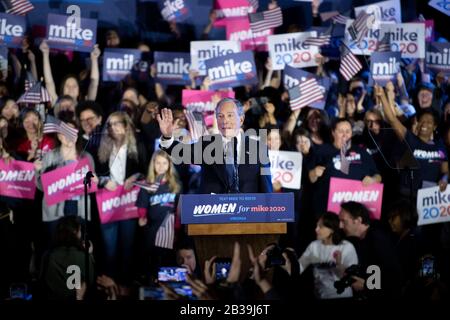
331, 221
66, 232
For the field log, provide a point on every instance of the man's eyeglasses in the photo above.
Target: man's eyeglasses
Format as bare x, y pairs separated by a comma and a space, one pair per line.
372, 122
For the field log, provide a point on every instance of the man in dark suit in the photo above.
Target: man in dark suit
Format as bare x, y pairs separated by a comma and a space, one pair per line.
231, 161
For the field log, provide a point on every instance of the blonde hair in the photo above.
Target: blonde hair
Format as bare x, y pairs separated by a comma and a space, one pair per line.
171, 175
107, 141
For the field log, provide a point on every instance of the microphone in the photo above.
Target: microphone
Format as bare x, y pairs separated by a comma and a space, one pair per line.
236, 165
87, 178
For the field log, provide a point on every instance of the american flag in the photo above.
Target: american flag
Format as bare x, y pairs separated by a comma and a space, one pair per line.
384, 45
35, 95
358, 29
166, 232
52, 125
18, 7
305, 93
254, 4
350, 64
261, 21
322, 40
340, 19
196, 124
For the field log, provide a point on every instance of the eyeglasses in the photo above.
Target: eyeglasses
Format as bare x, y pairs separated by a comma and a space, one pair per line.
371, 122
90, 119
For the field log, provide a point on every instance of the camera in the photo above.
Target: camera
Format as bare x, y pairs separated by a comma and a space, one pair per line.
222, 267
347, 279
275, 257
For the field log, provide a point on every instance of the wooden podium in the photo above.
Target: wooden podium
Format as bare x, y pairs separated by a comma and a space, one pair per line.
218, 239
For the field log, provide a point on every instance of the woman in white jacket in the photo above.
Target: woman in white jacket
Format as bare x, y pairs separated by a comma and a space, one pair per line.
329, 256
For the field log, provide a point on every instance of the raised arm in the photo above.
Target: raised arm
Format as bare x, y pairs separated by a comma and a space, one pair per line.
95, 74
48, 77
398, 127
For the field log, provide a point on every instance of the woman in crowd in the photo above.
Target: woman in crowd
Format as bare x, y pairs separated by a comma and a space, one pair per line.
157, 210
123, 161
341, 159
33, 144
70, 84
329, 256
66, 152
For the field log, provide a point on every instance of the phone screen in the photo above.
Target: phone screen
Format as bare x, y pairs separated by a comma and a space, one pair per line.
172, 274
427, 267
222, 268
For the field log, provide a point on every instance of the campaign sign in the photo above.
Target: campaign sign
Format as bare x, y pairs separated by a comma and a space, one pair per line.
172, 67
118, 63
174, 10
228, 10
12, 30
286, 168
66, 182
384, 67
438, 57
429, 30
433, 206
17, 179
237, 208
441, 5
368, 44
383, 11
292, 78
203, 100
204, 50
406, 38
118, 204
232, 70
239, 30
289, 49
344, 190
64, 35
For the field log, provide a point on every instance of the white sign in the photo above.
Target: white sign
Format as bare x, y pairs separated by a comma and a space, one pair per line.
286, 168
204, 50
383, 11
367, 45
406, 38
289, 49
433, 206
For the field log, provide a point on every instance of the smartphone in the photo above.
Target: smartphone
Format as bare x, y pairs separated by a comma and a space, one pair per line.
223, 266
18, 291
427, 268
172, 274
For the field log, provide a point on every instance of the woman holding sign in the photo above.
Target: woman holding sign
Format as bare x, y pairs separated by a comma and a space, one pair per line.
341, 159
123, 160
67, 152
157, 205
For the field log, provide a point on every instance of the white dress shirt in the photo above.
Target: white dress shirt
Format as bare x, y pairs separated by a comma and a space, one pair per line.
117, 164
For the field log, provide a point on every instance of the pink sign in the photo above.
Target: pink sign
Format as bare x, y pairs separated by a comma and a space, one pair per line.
429, 30
202, 100
17, 179
239, 30
343, 190
66, 182
227, 10
117, 205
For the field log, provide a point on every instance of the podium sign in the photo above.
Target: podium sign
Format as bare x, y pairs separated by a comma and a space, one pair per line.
237, 208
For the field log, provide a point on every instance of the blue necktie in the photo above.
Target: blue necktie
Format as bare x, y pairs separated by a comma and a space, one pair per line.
230, 165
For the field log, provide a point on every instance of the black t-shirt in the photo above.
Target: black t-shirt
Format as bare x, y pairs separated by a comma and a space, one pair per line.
429, 156
327, 155
158, 205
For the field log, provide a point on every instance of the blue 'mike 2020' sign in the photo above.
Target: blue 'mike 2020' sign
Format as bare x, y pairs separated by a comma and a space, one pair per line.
235, 208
